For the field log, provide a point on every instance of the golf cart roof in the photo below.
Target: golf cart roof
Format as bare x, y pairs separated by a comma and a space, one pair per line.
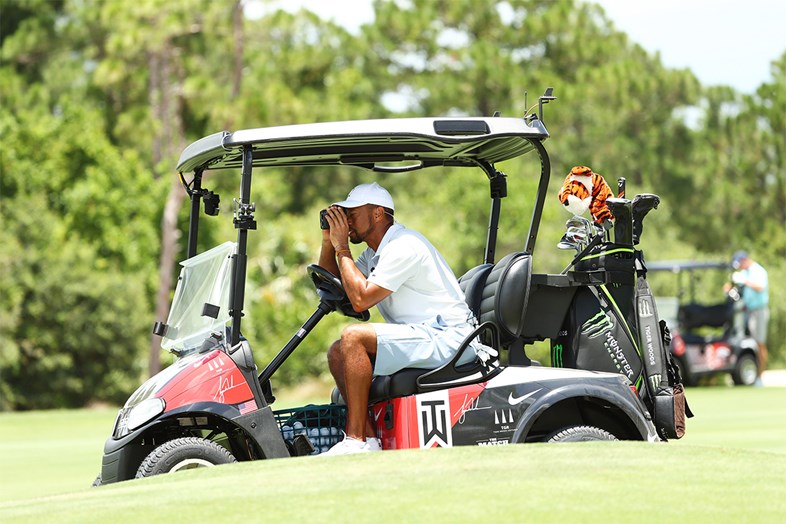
676, 266
416, 142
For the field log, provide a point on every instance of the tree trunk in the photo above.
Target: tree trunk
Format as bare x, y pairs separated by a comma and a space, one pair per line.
170, 234
167, 144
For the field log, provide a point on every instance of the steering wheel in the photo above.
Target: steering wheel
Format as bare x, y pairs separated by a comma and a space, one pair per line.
331, 292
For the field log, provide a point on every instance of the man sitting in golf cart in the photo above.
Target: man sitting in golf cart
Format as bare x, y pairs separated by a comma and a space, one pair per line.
413, 287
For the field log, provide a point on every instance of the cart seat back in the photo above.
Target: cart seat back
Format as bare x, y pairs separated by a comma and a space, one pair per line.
505, 294
472, 283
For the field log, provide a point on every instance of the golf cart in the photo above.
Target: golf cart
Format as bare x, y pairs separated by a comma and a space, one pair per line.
709, 338
213, 406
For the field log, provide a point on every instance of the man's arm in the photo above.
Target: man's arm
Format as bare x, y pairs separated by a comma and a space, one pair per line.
756, 278
327, 256
361, 293
753, 278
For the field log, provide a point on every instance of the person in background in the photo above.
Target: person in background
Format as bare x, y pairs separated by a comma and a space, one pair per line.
752, 280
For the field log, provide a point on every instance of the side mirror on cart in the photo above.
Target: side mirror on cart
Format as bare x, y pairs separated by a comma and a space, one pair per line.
212, 202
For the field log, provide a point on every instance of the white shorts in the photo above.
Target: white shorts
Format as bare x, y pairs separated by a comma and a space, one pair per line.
425, 346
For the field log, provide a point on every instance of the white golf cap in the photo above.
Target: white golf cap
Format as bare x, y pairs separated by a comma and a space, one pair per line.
364, 194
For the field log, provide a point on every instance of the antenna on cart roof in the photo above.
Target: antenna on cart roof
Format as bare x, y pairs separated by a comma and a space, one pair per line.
544, 99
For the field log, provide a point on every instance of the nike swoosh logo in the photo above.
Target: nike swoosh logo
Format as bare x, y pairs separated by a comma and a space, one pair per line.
518, 400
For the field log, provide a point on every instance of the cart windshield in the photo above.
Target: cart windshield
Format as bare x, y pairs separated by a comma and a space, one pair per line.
201, 302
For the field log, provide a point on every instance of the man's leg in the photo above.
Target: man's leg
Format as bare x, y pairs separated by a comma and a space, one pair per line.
349, 361
762, 358
757, 323
336, 367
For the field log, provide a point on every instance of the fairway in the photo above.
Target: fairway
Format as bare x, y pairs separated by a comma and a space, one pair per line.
50, 452
735, 451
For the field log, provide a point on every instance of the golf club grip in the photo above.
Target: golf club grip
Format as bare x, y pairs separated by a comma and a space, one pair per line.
621, 187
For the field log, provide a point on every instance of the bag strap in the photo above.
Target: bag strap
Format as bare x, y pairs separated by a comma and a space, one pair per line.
673, 371
656, 365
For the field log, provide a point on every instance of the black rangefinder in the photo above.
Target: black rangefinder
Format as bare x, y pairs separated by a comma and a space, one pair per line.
323, 223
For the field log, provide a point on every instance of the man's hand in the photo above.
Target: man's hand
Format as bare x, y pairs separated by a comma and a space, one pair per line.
339, 227
327, 256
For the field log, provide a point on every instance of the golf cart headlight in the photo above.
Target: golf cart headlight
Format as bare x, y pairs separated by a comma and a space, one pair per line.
144, 411
131, 418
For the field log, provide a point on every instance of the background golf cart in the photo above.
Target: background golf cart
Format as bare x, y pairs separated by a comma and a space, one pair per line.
708, 327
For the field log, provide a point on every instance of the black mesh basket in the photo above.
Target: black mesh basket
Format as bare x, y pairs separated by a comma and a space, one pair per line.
312, 426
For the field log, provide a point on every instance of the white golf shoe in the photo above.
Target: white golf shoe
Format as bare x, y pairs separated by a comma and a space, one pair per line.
348, 446
373, 444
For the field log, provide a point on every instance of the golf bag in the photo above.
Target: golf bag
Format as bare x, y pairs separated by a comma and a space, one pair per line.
616, 329
597, 336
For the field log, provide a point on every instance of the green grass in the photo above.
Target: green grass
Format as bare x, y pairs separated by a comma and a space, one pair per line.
737, 417
729, 468
50, 452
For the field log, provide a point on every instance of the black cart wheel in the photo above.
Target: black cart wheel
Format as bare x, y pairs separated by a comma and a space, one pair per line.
184, 453
580, 434
746, 371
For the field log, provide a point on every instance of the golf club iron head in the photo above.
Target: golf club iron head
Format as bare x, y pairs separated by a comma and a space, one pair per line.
578, 233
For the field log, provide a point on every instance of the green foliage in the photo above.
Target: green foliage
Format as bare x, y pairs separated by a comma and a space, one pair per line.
99, 98
78, 243
71, 329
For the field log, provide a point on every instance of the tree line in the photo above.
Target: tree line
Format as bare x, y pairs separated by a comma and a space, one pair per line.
100, 98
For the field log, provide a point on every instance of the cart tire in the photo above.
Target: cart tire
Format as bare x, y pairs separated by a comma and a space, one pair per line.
184, 453
746, 371
580, 434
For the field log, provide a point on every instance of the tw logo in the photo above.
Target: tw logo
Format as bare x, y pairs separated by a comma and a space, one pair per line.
434, 428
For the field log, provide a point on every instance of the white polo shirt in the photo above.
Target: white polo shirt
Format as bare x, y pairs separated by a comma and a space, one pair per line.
422, 283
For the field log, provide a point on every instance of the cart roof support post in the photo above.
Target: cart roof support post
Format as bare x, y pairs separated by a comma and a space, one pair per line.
244, 220
540, 199
499, 189
195, 192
